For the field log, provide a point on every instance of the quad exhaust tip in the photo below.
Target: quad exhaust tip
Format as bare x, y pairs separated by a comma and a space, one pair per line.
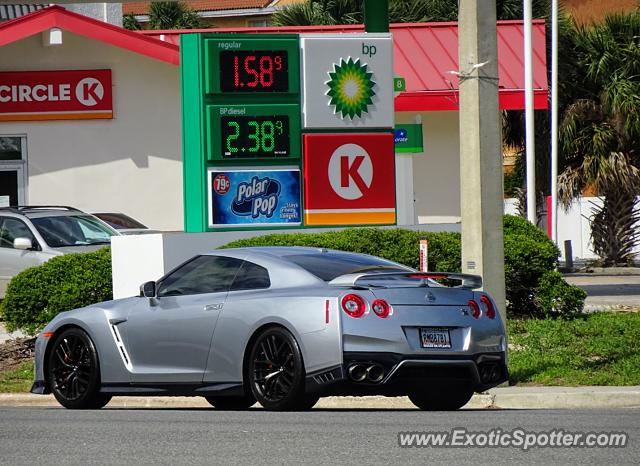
361, 372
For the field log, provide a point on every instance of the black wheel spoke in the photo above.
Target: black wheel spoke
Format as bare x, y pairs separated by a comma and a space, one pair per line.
273, 367
71, 368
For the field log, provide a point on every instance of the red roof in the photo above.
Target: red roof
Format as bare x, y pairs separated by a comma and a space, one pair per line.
58, 17
426, 53
142, 8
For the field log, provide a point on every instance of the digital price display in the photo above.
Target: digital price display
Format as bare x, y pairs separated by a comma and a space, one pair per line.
255, 136
254, 132
254, 71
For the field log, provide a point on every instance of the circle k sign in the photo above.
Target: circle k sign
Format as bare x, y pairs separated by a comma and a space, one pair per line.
349, 179
350, 171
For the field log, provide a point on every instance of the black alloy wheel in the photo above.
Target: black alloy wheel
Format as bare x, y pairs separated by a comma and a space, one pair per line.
73, 371
276, 371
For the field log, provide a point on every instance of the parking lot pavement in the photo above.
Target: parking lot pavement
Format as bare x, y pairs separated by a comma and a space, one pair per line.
605, 292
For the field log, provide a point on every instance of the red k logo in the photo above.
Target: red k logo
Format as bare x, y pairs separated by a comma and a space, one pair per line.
350, 171
89, 91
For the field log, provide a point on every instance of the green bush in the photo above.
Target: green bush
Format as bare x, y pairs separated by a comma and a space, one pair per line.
394, 244
528, 254
38, 294
529, 257
556, 298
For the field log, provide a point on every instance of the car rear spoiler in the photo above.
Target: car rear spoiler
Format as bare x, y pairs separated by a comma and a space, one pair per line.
469, 282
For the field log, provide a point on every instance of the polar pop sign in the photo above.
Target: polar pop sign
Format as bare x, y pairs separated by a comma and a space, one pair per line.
55, 95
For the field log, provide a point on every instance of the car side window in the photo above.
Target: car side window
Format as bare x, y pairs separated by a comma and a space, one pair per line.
251, 277
203, 274
12, 228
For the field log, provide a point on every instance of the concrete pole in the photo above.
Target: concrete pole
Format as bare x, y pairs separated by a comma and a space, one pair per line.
530, 143
481, 183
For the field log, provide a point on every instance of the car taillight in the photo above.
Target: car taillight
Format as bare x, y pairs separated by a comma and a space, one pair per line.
475, 309
381, 308
490, 311
353, 305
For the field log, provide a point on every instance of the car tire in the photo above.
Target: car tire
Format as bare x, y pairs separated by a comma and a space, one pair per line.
231, 403
443, 399
73, 371
276, 371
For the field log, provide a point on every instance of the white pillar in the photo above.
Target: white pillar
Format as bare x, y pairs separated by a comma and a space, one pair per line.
530, 149
554, 121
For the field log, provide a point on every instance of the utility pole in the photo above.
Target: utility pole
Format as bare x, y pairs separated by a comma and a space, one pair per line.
481, 176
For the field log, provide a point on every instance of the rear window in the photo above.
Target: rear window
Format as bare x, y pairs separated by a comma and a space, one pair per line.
330, 265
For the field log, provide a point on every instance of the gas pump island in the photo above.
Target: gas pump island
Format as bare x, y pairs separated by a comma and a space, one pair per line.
287, 130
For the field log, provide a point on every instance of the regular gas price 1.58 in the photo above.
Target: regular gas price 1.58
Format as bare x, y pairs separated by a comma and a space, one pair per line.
254, 71
255, 136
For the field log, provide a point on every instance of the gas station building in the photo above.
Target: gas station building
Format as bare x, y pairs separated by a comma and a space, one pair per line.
90, 114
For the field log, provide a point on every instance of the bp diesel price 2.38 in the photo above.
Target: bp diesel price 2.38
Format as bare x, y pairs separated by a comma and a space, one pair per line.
255, 136
254, 132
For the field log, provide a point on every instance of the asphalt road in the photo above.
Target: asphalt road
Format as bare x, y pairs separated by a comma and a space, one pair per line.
175, 436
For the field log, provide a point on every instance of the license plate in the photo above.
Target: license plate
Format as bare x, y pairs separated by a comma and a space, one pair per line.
432, 337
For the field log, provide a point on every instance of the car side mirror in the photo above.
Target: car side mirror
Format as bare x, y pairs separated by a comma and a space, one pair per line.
22, 243
148, 289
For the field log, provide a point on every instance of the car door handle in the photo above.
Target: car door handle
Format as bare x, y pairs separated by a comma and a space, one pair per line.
213, 307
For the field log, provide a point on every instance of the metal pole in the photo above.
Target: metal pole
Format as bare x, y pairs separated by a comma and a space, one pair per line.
554, 120
529, 124
376, 15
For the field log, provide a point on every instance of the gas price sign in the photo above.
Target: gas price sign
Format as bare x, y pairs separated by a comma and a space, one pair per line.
245, 66
254, 132
254, 71
264, 136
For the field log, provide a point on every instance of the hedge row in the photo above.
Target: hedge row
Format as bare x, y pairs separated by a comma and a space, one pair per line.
534, 288
36, 295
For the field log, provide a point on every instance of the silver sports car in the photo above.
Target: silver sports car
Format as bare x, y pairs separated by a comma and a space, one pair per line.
282, 326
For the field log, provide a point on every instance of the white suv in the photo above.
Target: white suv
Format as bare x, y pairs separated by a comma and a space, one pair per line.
31, 235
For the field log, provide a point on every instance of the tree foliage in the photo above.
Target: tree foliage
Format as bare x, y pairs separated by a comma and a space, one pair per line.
331, 12
173, 15
600, 133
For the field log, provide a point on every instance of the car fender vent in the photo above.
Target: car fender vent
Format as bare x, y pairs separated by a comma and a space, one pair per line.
117, 338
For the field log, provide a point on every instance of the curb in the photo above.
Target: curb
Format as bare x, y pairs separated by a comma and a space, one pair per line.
498, 398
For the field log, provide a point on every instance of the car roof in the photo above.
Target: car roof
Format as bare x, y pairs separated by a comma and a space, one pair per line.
279, 251
41, 211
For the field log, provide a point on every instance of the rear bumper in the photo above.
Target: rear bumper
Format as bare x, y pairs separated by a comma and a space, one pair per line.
405, 373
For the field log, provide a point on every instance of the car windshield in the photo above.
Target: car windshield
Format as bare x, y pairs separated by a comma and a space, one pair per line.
330, 265
119, 221
72, 230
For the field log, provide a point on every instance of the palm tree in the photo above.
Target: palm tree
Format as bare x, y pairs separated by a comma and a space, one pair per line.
600, 133
173, 15
327, 12
130, 22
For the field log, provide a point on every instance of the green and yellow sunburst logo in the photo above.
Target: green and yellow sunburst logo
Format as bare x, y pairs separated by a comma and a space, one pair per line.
350, 88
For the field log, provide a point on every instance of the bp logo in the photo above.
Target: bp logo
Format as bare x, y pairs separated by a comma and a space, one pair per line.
350, 88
